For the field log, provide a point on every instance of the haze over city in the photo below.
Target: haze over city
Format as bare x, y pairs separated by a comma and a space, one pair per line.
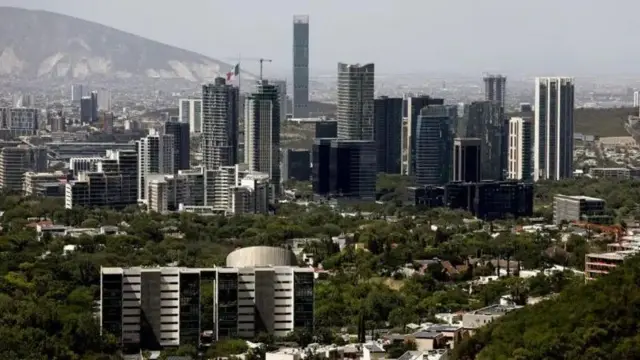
465, 37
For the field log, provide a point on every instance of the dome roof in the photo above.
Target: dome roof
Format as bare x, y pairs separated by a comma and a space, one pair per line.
257, 256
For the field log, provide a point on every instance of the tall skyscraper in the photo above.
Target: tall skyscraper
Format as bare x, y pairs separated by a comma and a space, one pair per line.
181, 143
282, 93
301, 66
433, 146
262, 132
483, 120
495, 87
519, 149
466, 159
553, 139
219, 124
190, 111
410, 110
388, 133
636, 99
155, 156
77, 92
321, 169
355, 101
104, 99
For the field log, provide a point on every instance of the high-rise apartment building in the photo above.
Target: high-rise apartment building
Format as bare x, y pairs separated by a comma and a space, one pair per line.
300, 66
77, 92
355, 101
219, 124
433, 141
520, 146
495, 87
410, 111
190, 111
483, 120
262, 132
155, 153
553, 139
466, 159
282, 93
104, 100
388, 133
181, 143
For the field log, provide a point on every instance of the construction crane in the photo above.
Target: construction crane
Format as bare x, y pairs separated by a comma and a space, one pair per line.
262, 60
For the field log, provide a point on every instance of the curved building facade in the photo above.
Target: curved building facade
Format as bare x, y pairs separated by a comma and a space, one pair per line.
261, 256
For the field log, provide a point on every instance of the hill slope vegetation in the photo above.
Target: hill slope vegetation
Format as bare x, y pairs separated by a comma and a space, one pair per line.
594, 321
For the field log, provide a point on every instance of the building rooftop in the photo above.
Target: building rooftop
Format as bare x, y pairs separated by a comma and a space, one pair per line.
494, 310
616, 255
580, 197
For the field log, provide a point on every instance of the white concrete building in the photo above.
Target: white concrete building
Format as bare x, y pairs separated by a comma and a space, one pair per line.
142, 306
155, 156
190, 111
519, 149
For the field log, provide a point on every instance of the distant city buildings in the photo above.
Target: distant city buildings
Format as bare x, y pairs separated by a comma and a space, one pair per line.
495, 88
300, 66
355, 101
89, 108
16, 161
16, 122
553, 135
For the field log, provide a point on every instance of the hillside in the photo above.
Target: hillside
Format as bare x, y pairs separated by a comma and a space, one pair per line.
589, 322
41, 44
598, 122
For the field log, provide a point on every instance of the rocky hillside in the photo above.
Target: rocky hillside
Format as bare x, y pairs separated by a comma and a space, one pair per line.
41, 44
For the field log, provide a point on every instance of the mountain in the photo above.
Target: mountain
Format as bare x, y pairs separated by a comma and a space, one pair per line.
41, 44
598, 320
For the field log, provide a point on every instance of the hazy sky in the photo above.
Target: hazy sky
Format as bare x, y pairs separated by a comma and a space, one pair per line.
532, 37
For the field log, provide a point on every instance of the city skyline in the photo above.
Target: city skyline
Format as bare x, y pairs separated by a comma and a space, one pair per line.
596, 47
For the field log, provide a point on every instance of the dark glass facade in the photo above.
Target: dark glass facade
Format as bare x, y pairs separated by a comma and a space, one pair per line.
388, 133
303, 300
491, 200
321, 167
150, 310
190, 308
466, 159
112, 305
181, 143
227, 305
326, 129
353, 169
296, 164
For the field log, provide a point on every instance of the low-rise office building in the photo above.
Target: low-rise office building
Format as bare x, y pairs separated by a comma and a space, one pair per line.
568, 208
261, 290
610, 173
